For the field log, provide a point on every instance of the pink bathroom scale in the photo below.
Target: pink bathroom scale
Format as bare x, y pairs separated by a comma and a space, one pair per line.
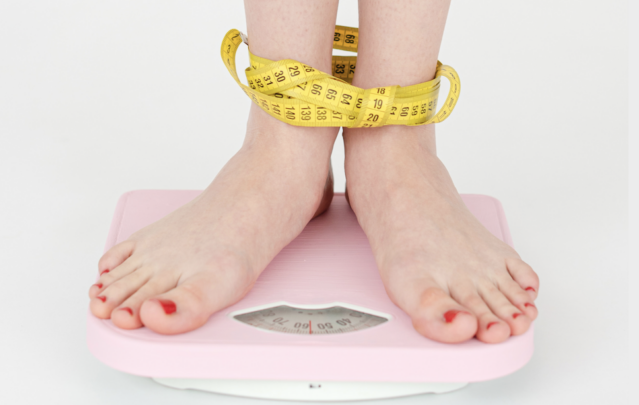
318, 324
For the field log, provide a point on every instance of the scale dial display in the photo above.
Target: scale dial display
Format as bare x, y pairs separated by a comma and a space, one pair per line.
300, 321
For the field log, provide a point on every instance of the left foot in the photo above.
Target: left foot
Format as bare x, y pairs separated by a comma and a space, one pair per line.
438, 263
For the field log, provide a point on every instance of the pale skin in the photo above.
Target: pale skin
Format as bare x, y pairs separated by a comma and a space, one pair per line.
438, 263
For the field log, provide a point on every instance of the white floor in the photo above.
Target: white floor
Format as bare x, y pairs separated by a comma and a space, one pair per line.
97, 98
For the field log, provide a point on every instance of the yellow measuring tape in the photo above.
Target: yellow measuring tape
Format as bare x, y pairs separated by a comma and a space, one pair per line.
300, 95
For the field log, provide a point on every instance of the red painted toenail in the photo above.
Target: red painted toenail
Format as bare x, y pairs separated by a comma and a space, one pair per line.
168, 306
129, 310
491, 324
105, 271
528, 304
516, 315
101, 298
99, 285
450, 315
530, 289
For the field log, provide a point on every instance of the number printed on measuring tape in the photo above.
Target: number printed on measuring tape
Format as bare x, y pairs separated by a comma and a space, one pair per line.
301, 95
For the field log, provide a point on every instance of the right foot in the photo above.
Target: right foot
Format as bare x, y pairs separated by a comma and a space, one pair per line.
174, 274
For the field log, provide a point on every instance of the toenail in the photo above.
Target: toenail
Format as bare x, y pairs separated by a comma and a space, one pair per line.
99, 285
450, 315
168, 306
101, 298
491, 324
530, 289
528, 304
516, 315
129, 310
105, 271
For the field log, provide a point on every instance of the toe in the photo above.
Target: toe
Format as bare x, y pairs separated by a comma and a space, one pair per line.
524, 275
108, 298
127, 314
184, 308
109, 277
441, 318
115, 256
490, 329
517, 296
518, 321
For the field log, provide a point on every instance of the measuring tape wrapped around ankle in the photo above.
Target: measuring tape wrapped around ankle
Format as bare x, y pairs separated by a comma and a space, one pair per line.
301, 95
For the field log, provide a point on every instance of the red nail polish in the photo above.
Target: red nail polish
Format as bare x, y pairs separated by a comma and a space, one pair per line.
101, 298
450, 315
530, 289
129, 310
168, 306
516, 315
528, 304
99, 285
491, 324
105, 271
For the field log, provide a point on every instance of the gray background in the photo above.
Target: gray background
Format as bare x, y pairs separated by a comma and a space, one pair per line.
101, 97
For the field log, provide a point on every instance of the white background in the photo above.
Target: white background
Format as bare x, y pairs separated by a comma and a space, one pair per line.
101, 97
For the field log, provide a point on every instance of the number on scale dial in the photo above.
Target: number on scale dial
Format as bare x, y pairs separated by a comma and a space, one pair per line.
322, 321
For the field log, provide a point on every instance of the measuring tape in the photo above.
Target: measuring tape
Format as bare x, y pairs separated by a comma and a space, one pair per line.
298, 94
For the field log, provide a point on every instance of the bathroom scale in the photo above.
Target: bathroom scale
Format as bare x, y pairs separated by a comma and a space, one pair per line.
317, 326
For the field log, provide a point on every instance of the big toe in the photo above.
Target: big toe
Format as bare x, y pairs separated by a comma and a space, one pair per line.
439, 317
184, 308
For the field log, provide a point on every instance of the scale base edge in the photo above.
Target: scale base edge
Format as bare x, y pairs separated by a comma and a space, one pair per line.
310, 391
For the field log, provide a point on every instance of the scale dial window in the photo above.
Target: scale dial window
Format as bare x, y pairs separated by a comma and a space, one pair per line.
301, 321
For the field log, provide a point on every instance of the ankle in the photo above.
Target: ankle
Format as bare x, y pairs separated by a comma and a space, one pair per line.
391, 141
396, 159
264, 132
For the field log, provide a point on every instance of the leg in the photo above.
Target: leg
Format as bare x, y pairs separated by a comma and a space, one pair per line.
438, 263
172, 275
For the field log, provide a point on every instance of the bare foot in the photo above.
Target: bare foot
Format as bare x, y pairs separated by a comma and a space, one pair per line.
438, 263
173, 274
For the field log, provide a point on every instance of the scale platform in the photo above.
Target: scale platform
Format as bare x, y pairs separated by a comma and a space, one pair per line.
318, 324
